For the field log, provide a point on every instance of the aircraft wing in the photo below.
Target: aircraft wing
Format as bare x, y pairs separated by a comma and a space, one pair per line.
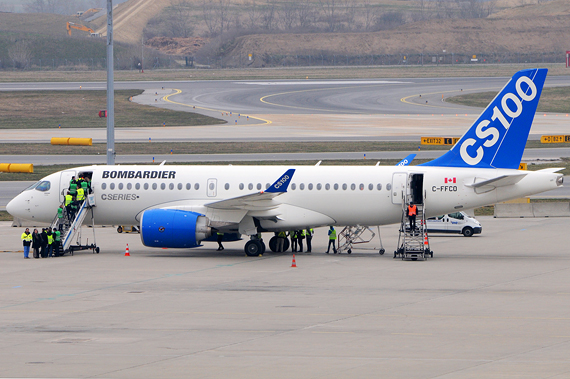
499, 181
262, 200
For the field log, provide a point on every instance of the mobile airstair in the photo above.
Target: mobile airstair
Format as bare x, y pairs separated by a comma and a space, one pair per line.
352, 236
71, 229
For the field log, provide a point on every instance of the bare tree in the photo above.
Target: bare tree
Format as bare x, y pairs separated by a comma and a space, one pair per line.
268, 16
20, 53
288, 15
330, 9
179, 19
222, 12
209, 17
49, 6
369, 15
350, 14
306, 15
253, 15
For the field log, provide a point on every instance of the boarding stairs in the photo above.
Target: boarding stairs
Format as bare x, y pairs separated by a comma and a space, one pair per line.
413, 244
71, 229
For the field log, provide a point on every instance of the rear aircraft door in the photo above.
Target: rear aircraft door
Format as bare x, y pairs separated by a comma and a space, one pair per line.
212, 187
398, 187
64, 183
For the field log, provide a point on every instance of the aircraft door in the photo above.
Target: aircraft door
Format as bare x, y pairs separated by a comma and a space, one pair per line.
64, 183
212, 187
398, 187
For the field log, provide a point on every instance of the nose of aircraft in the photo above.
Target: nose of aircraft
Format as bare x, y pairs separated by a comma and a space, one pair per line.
13, 207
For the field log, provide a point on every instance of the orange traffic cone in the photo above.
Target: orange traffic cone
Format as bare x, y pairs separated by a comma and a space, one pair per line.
127, 254
294, 264
425, 240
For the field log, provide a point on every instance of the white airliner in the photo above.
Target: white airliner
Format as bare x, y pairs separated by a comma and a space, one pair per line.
180, 206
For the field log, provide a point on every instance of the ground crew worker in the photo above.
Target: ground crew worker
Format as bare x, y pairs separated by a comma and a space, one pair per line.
27, 241
73, 186
80, 195
50, 240
85, 186
36, 243
309, 235
56, 243
220, 238
332, 240
281, 236
300, 238
60, 216
68, 203
412, 212
43, 247
293, 235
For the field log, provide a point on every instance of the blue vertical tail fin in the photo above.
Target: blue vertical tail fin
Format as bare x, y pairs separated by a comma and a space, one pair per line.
498, 138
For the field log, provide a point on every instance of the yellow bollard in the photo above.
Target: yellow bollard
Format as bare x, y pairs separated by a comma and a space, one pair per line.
72, 141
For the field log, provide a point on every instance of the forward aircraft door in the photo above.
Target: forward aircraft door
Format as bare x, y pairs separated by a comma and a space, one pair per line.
399, 180
64, 183
212, 187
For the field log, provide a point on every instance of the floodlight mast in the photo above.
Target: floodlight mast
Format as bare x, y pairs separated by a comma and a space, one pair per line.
110, 88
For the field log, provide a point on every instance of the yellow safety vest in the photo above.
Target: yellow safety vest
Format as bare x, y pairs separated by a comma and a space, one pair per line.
68, 200
50, 239
282, 235
332, 234
27, 237
80, 194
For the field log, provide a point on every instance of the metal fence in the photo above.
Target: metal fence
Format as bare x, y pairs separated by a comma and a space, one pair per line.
285, 60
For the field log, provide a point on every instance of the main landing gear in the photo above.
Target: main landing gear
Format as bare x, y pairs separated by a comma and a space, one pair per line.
254, 247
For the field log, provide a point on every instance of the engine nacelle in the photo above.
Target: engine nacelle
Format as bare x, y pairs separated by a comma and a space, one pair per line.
173, 228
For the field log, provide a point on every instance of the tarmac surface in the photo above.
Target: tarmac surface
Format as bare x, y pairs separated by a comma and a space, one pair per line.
490, 306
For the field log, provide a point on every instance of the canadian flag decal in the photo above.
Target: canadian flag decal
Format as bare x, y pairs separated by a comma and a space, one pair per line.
450, 180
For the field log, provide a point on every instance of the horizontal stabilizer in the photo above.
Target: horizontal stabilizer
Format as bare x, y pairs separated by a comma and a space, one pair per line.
500, 181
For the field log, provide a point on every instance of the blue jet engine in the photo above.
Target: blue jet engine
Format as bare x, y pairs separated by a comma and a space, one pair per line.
173, 228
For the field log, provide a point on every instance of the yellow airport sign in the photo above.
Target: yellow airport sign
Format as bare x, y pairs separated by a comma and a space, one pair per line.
523, 166
439, 140
555, 139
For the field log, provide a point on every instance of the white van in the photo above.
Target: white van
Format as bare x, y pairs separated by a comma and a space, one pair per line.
457, 222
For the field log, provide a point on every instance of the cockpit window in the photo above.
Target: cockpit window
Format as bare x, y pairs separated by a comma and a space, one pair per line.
44, 186
32, 186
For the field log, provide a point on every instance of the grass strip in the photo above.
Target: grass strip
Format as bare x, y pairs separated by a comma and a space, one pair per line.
80, 109
556, 99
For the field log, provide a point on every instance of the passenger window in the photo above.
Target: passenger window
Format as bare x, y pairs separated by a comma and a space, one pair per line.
293, 186
250, 186
103, 186
112, 186
327, 186
196, 186
379, 186
129, 186
179, 186
310, 186
336, 186
258, 186
120, 186
302, 186
188, 186
154, 186
44, 186
162, 186
267, 185
138, 186
171, 186
241, 186
344, 187
211, 186
227, 186
319, 186
388, 186
370, 187
146, 186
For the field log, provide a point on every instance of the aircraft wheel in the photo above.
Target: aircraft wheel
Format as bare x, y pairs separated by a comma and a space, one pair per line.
253, 248
97, 250
119, 229
349, 251
381, 251
273, 244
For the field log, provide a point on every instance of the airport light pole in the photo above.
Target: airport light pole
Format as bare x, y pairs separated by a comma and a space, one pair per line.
110, 88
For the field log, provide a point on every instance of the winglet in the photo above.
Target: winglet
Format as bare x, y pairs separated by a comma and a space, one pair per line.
406, 161
282, 183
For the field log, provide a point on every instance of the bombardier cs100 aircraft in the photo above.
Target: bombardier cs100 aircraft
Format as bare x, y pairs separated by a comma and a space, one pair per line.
180, 206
